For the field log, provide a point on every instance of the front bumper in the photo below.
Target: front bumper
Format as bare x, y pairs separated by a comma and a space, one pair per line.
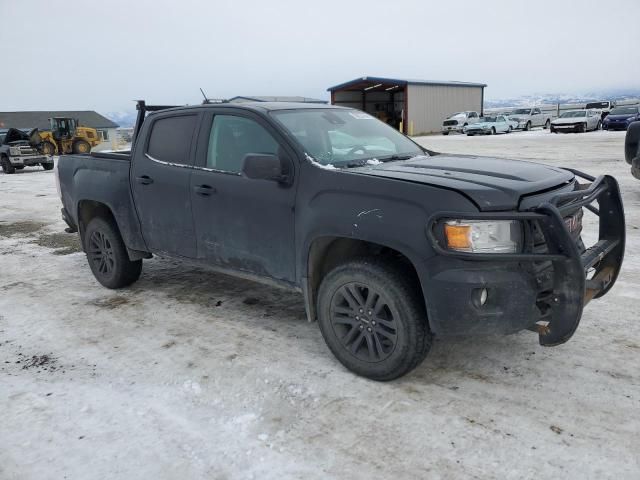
452, 128
616, 125
573, 127
477, 131
543, 290
29, 160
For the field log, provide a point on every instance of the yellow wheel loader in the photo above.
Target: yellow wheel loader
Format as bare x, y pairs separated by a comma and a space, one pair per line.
66, 136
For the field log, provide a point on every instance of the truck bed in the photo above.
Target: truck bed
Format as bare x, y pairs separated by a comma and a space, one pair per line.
100, 178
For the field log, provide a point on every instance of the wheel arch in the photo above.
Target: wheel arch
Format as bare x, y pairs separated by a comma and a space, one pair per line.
87, 210
326, 252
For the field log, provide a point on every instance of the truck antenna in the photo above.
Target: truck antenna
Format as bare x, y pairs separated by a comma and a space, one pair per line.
206, 100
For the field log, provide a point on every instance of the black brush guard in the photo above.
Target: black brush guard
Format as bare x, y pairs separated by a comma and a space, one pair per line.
578, 277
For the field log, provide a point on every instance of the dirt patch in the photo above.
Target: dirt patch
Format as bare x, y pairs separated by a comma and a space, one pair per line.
40, 362
20, 228
63, 243
110, 303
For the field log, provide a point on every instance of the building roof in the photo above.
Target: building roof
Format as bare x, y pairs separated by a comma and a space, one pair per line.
40, 119
371, 83
262, 98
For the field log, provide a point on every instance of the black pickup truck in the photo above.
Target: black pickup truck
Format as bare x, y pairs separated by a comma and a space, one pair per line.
389, 243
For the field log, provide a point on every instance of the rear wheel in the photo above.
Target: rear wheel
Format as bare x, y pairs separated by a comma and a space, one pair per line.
81, 146
6, 165
47, 166
373, 319
107, 255
547, 124
599, 125
493, 130
632, 142
527, 127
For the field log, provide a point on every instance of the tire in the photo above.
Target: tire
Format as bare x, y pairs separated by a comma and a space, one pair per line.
493, 131
632, 142
510, 129
47, 166
599, 125
547, 124
365, 342
48, 148
6, 166
583, 128
527, 127
107, 255
81, 146
445, 133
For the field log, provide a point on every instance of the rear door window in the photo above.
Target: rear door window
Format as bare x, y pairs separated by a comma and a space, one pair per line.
171, 138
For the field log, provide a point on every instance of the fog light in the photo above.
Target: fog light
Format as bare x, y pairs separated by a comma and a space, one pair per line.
483, 296
479, 296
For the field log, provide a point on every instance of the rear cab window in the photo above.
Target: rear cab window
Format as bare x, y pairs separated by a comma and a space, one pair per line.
171, 138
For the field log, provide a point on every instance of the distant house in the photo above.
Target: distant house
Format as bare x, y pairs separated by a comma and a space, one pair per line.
86, 118
261, 98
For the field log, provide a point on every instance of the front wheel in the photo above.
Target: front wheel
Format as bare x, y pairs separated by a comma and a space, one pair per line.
48, 148
547, 124
527, 127
107, 255
599, 125
373, 319
493, 130
47, 166
81, 146
6, 165
445, 133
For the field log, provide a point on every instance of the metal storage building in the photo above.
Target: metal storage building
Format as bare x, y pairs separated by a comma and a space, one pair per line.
412, 106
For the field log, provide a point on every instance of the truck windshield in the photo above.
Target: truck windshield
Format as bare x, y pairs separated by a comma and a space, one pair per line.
345, 137
521, 111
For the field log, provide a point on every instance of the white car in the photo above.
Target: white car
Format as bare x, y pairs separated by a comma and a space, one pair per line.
577, 121
458, 121
489, 126
528, 118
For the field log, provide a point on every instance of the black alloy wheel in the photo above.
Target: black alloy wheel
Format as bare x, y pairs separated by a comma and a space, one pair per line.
364, 322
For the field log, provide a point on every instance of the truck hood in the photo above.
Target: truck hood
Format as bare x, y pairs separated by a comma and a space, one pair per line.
491, 183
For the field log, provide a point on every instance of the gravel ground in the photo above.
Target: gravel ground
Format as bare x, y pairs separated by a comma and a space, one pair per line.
188, 374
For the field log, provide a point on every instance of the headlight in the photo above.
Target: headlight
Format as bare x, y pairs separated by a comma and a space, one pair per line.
14, 151
483, 236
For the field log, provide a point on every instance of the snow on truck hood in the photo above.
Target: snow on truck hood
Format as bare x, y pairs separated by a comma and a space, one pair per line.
492, 183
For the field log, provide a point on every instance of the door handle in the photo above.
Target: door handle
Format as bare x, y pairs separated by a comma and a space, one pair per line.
204, 190
144, 180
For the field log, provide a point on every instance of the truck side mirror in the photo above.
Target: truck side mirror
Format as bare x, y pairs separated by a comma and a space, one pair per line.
260, 166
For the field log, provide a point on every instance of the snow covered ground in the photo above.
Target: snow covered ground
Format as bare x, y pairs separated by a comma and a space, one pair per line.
189, 374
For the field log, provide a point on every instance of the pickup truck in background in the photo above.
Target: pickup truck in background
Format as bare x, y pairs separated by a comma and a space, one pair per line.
388, 242
458, 121
527, 118
19, 149
605, 107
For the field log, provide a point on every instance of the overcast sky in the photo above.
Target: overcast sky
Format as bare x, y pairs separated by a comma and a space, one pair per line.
101, 55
